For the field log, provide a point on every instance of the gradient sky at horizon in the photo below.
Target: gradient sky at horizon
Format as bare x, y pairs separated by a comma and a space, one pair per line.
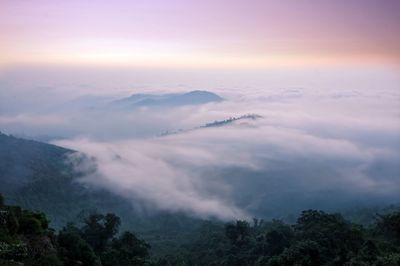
208, 33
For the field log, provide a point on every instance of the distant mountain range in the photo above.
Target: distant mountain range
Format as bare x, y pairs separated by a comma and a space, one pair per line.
168, 100
108, 103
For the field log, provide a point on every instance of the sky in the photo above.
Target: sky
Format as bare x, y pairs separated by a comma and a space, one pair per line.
199, 34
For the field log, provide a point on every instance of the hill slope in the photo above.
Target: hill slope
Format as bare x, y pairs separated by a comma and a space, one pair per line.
35, 176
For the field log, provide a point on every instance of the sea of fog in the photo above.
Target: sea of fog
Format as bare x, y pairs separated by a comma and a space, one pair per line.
325, 137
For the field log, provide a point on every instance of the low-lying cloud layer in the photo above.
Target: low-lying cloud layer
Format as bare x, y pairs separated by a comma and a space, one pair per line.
318, 151
311, 148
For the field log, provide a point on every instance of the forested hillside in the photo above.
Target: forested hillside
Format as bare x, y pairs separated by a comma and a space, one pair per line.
317, 238
35, 176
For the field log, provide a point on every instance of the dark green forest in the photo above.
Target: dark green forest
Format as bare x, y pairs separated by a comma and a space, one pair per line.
316, 238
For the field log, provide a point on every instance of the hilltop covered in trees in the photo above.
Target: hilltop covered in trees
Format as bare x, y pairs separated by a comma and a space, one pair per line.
317, 238
216, 123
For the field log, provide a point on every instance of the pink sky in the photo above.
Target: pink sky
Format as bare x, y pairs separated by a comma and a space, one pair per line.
208, 33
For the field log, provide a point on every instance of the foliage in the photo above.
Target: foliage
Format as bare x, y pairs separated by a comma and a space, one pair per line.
98, 230
73, 250
26, 239
389, 226
316, 238
126, 250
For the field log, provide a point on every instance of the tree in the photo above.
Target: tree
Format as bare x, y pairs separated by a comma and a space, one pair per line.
12, 223
51, 260
73, 250
29, 225
238, 234
272, 238
240, 239
336, 238
99, 229
305, 253
33, 223
126, 250
389, 226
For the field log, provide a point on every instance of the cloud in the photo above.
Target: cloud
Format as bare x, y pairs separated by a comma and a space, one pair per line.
315, 147
278, 158
145, 170
31, 120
